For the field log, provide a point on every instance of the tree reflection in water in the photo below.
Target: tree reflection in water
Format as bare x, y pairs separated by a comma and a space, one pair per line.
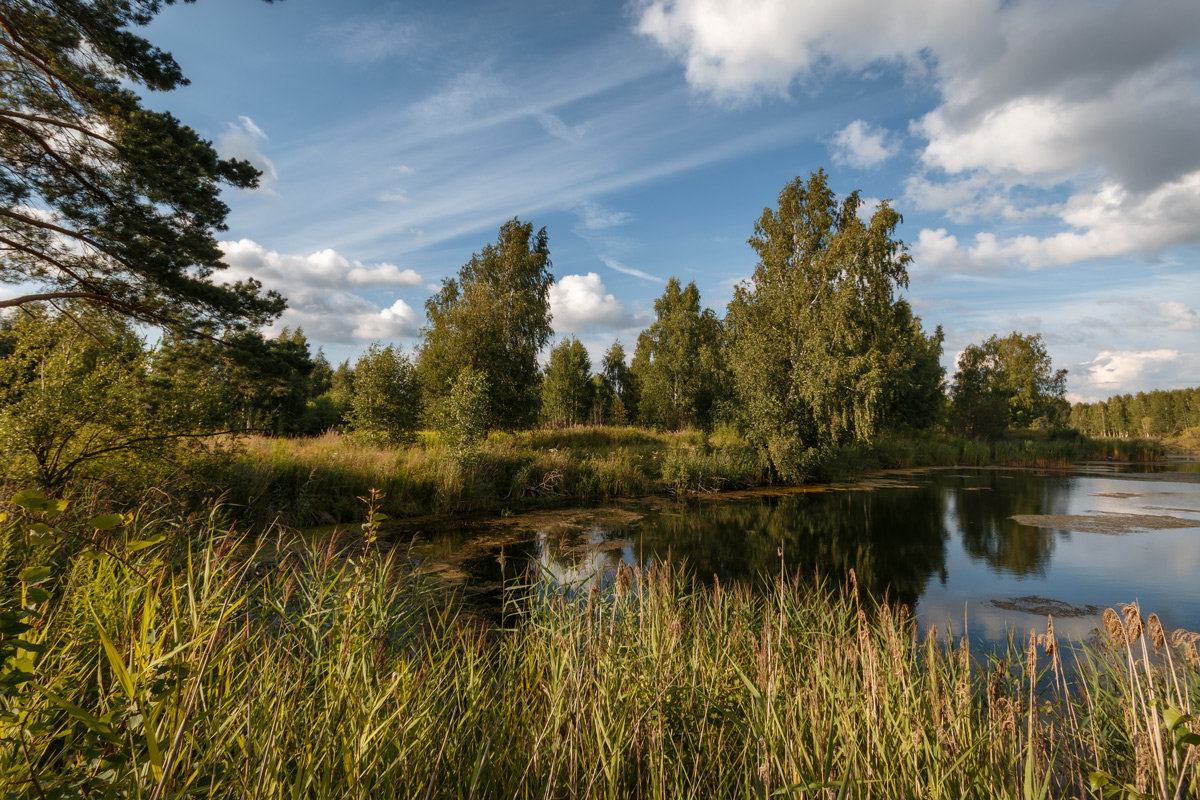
984, 504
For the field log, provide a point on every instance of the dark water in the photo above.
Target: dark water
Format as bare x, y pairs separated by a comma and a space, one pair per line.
943, 541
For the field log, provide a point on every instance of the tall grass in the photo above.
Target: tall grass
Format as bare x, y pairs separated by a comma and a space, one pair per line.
319, 480
199, 664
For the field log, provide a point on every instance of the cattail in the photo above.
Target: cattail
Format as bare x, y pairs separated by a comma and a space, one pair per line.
1141, 747
1157, 634
1115, 628
1133, 621
1048, 641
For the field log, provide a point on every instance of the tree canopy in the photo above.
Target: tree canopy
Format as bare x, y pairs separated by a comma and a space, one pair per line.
677, 364
493, 319
101, 199
567, 385
1008, 382
821, 348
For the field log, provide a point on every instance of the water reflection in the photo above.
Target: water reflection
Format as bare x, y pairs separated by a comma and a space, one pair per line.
984, 506
941, 541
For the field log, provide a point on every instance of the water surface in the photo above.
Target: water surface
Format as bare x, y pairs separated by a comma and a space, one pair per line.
944, 541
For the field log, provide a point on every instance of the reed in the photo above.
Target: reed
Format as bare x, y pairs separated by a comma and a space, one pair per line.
156, 656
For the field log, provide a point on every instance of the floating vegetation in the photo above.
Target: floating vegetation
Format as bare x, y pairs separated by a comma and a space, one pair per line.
1111, 524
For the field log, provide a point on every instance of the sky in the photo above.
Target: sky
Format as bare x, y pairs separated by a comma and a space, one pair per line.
1044, 154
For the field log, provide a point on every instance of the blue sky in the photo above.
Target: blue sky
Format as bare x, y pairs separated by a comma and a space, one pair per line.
1044, 154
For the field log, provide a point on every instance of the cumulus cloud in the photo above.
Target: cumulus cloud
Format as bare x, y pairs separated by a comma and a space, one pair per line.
1100, 99
581, 302
1179, 317
317, 287
244, 140
1111, 370
862, 145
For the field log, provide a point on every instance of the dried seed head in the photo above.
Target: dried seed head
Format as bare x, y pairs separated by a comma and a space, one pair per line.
1031, 655
1050, 642
1157, 634
1187, 642
1115, 628
1133, 621
624, 580
1141, 747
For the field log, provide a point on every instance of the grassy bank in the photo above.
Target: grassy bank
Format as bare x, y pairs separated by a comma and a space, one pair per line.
167, 658
319, 480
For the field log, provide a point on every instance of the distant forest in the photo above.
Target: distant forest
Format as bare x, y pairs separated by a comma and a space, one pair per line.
1157, 413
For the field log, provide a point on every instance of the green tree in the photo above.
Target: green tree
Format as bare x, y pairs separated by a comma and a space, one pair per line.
821, 348
76, 391
243, 380
493, 319
677, 364
385, 404
567, 391
620, 387
1009, 382
463, 416
101, 199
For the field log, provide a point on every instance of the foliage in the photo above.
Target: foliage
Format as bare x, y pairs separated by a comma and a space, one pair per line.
385, 404
567, 390
1008, 382
76, 390
1156, 413
677, 365
244, 381
493, 319
821, 349
464, 415
101, 199
617, 390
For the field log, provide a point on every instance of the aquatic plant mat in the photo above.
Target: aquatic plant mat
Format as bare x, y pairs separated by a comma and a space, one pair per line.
1113, 524
148, 656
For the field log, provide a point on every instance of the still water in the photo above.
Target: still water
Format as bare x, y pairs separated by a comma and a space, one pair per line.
983, 551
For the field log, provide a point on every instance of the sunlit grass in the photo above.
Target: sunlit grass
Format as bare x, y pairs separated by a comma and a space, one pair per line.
205, 665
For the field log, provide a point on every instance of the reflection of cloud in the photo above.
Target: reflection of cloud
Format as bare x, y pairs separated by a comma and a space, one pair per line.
580, 568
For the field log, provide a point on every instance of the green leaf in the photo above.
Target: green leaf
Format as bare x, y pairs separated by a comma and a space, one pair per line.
1185, 737
37, 595
1100, 780
30, 500
35, 575
107, 522
1173, 718
142, 544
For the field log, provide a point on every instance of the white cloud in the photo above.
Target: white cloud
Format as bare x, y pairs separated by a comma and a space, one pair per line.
595, 217
324, 269
556, 127
613, 264
317, 289
1111, 370
861, 145
579, 302
395, 196
243, 141
1179, 317
1104, 223
1100, 100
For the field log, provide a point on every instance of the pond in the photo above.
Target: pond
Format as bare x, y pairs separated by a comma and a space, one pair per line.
983, 551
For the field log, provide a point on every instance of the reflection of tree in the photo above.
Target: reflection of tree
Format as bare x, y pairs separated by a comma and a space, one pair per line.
894, 540
990, 535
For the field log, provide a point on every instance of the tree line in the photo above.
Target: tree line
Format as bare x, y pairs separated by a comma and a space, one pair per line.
816, 350
1145, 414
